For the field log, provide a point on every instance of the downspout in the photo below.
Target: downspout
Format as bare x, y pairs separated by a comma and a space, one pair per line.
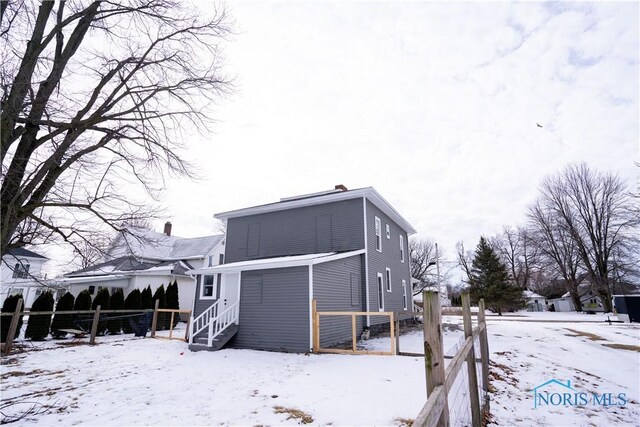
366, 258
310, 307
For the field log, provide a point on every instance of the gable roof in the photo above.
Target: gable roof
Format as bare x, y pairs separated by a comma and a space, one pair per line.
24, 253
321, 198
150, 245
126, 267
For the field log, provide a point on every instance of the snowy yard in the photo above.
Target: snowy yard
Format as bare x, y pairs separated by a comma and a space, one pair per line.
157, 382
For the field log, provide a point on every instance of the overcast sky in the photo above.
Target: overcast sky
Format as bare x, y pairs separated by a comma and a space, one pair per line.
435, 105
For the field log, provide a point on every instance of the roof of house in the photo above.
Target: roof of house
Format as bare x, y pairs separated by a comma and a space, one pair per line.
531, 294
124, 268
24, 253
150, 245
278, 262
320, 198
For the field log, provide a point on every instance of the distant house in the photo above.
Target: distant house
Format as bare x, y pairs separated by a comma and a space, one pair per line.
347, 249
140, 258
590, 299
21, 272
535, 302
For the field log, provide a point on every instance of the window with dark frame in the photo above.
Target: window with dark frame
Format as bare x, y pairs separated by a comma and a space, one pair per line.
207, 286
378, 234
388, 277
380, 293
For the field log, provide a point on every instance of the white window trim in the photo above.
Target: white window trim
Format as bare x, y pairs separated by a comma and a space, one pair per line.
401, 248
380, 283
378, 227
405, 304
388, 279
388, 231
213, 292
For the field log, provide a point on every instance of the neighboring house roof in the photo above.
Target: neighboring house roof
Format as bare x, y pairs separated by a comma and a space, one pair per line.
150, 245
125, 263
531, 294
279, 262
24, 253
320, 198
102, 274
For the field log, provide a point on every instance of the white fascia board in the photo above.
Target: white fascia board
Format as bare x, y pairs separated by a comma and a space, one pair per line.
91, 279
337, 256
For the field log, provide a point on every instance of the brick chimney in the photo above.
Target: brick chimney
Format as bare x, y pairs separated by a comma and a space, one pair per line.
167, 228
341, 187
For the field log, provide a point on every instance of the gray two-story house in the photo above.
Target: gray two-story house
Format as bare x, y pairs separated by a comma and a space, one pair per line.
345, 248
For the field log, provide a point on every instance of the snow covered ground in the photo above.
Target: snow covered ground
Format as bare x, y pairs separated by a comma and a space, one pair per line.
157, 382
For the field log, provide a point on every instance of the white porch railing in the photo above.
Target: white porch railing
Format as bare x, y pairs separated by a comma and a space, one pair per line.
203, 321
221, 321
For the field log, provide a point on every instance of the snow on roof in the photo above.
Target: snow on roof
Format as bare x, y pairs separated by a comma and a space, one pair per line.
24, 253
147, 244
531, 294
278, 262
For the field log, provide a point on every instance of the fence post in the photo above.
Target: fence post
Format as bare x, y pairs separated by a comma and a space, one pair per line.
484, 354
397, 333
433, 350
188, 333
171, 325
471, 363
94, 326
354, 338
392, 327
154, 324
13, 327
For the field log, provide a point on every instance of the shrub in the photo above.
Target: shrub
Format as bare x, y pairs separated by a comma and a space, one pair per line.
146, 301
116, 303
63, 321
9, 306
172, 302
132, 302
83, 301
102, 300
159, 295
38, 324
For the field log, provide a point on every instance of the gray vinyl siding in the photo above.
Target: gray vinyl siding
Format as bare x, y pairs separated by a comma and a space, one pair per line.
333, 292
328, 227
388, 258
274, 310
199, 306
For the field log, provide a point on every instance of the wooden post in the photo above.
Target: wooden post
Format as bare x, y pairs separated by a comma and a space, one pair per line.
171, 324
154, 323
476, 419
433, 351
187, 333
13, 327
316, 325
353, 332
397, 334
392, 328
484, 354
94, 326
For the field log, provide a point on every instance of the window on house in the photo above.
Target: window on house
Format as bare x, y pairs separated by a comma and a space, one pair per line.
207, 287
388, 277
21, 270
221, 259
378, 234
401, 248
210, 260
92, 290
405, 304
388, 231
380, 293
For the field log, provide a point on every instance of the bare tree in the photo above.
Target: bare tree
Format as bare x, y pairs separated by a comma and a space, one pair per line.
93, 102
422, 256
518, 252
465, 258
588, 212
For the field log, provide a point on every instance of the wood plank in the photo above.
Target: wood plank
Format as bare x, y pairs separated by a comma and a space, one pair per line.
353, 332
154, 323
171, 325
392, 333
94, 326
433, 410
347, 351
357, 313
484, 353
13, 328
476, 419
456, 363
316, 325
433, 350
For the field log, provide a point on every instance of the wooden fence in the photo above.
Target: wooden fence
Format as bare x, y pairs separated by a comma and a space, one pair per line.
440, 380
15, 316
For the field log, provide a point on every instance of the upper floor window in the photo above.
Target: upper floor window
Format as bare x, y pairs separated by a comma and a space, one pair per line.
210, 261
221, 259
378, 234
388, 277
401, 248
404, 294
21, 270
388, 231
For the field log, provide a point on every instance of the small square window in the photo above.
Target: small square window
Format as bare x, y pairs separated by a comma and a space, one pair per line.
208, 285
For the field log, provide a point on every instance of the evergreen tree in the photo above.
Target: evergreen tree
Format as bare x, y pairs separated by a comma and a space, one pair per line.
38, 324
173, 302
489, 279
116, 303
9, 306
63, 321
146, 300
102, 300
83, 301
132, 302
160, 295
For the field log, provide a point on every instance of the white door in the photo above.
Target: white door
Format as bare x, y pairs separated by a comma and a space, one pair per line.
229, 289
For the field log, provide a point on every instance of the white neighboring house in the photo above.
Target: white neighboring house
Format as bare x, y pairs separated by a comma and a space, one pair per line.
535, 302
21, 272
141, 258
